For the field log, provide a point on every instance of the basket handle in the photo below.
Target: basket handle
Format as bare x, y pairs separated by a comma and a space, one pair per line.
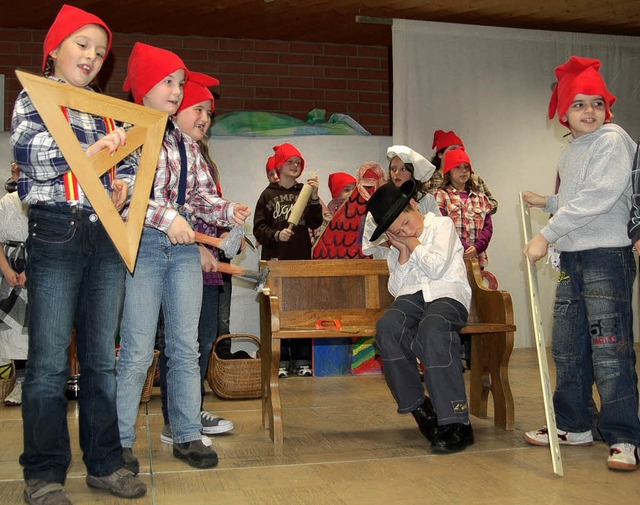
237, 335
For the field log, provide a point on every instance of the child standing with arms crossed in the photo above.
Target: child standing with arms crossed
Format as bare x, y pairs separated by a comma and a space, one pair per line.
593, 320
428, 279
168, 271
75, 275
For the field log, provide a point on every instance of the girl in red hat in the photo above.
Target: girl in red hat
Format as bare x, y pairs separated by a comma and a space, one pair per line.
460, 198
76, 277
168, 266
446, 141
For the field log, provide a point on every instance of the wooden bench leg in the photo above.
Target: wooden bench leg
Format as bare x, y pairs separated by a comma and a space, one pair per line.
490, 356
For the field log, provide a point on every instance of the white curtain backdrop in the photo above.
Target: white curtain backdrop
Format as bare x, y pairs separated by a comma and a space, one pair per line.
492, 86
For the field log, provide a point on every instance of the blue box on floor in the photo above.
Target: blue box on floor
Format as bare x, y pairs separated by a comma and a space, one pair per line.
331, 356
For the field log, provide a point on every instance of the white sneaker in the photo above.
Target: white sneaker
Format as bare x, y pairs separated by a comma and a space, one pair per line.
623, 457
213, 424
283, 373
14, 399
541, 437
304, 371
166, 437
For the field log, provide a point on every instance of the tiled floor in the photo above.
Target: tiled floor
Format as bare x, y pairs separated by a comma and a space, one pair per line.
344, 444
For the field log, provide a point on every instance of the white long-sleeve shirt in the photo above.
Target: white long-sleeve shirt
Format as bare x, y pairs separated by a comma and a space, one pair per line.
436, 266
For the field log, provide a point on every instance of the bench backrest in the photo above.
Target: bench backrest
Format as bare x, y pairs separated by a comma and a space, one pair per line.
351, 291
355, 293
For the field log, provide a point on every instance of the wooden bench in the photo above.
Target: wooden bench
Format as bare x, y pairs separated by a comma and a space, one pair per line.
298, 294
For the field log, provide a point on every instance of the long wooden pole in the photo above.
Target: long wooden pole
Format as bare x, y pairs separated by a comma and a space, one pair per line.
538, 330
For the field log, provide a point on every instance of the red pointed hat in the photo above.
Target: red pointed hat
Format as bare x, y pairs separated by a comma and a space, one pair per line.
283, 153
578, 75
147, 66
69, 20
442, 140
196, 90
271, 164
338, 181
454, 158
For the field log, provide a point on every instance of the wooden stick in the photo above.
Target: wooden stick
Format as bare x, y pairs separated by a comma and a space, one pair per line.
543, 365
206, 239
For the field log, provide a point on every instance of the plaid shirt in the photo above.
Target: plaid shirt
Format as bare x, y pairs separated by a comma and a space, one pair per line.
471, 216
435, 183
42, 165
201, 197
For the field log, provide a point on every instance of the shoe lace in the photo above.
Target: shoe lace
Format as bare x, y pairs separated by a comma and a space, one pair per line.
209, 416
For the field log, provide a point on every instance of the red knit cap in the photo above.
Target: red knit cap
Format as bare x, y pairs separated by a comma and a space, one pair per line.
338, 181
578, 75
69, 20
196, 90
442, 140
283, 153
271, 164
147, 66
454, 158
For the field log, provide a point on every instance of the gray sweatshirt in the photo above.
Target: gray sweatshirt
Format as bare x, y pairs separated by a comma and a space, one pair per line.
591, 209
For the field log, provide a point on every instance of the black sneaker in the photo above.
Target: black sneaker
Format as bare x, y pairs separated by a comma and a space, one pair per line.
452, 438
121, 483
196, 453
425, 416
131, 463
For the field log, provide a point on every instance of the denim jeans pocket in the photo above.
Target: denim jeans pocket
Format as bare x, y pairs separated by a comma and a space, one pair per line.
51, 227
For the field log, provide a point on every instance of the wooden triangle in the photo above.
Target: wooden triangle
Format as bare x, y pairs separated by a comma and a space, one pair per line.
148, 131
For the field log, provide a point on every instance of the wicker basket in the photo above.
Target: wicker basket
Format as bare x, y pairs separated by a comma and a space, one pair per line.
6, 385
234, 379
148, 383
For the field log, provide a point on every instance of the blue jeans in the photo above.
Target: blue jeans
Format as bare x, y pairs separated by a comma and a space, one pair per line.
593, 341
207, 329
207, 334
75, 277
170, 276
412, 328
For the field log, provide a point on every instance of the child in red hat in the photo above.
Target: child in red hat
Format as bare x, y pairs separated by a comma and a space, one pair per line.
446, 141
69, 256
279, 241
593, 319
168, 265
461, 200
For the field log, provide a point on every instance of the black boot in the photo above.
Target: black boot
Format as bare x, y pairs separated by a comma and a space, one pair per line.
452, 438
425, 416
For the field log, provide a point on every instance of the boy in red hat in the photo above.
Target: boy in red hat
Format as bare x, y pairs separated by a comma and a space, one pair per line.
70, 256
279, 241
168, 266
446, 141
593, 319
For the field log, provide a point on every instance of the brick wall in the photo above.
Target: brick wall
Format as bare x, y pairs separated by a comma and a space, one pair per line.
285, 77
